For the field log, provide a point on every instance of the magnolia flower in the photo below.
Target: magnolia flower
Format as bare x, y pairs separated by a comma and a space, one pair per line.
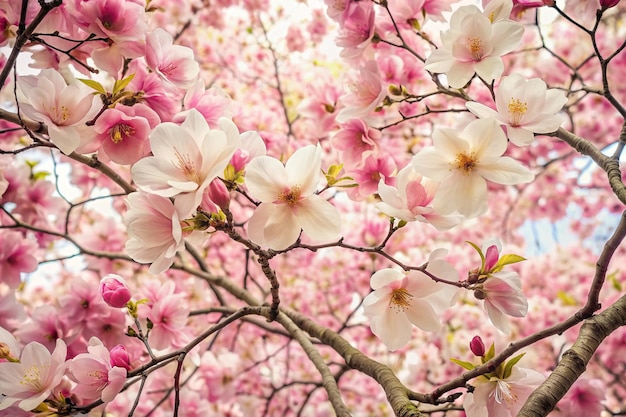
464, 161
501, 397
365, 92
524, 107
186, 159
400, 301
288, 200
63, 108
474, 44
412, 198
31, 380
95, 375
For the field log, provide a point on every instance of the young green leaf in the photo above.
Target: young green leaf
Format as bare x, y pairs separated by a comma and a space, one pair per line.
93, 84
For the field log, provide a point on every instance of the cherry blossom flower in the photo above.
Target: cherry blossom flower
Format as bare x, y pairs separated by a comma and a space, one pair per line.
365, 92
31, 380
473, 44
400, 301
95, 375
288, 200
356, 141
583, 399
412, 198
174, 63
154, 230
63, 108
213, 103
501, 397
464, 161
186, 159
16, 256
524, 107
357, 29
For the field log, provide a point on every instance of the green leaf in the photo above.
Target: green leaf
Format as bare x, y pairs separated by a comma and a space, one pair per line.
490, 353
480, 252
507, 260
508, 368
467, 365
121, 84
93, 84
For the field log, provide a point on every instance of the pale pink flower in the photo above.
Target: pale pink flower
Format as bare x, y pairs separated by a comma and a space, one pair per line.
169, 317
495, 397
118, 20
186, 159
463, 162
365, 92
30, 381
94, 374
16, 256
401, 300
357, 29
584, 399
411, 199
503, 297
213, 103
154, 230
288, 200
473, 44
525, 107
356, 141
375, 167
174, 63
63, 108
123, 132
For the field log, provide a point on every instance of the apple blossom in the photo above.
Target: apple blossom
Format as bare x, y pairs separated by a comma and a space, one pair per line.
403, 300
463, 162
412, 198
63, 108
31, 380
186, 159
524, 107
95, 375
288, 200
473, 44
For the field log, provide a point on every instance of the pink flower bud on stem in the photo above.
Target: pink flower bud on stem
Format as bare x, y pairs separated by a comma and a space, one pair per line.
477, 346
114, 291
119, 357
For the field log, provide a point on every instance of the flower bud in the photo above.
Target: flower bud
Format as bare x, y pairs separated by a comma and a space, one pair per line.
114, 291
5, 351
119, 357
477, 346
606, 4
218, 193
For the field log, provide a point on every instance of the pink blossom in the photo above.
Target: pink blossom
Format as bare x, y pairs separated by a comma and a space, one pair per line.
16, 256
175, 63
119, 357
154, 230
365, 92
123, 132
114, 291
375, 168
503, 297
357, 29
213, 103
356, 141
118, 20
151, 91
95, 375
401, 300
584, 399
31, 380
169, 317
63, 108
501, 397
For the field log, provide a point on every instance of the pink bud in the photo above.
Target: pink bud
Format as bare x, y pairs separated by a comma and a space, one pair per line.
608, 3
119, 357
477, 346
114, 291
491, 257
240, 159
218, 193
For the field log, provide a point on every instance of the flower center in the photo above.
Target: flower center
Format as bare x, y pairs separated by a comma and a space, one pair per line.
475, 47
120, 131
59, 115
465, 162
517, 109
291, 196
32, 377
401, 299
187, 167
503, 393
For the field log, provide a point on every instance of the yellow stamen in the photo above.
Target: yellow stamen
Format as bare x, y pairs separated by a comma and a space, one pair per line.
466, 163
119, 131
517, 109
475, 47
187, 167
291, 197
401, 299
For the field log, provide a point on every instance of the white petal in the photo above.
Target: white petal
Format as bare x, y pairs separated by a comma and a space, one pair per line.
384, 277
421, 314
433, 164
392, 328
465, 193
460, 73
266, 178
303, 168
519, 136
506, 171
482, 111
487, 140
319, 219
273, 226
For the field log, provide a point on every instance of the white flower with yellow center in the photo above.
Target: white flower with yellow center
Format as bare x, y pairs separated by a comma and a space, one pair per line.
525, 107
288, 200
400, 301
463, 162
474, 44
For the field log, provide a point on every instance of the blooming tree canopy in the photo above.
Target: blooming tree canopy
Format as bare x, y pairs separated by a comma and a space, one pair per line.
323, 208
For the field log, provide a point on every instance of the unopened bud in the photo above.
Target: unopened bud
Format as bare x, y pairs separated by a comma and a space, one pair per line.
606, 4
477, 346
5, 351
480, 294
114, 291
119, 357
218, 193
472, 276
